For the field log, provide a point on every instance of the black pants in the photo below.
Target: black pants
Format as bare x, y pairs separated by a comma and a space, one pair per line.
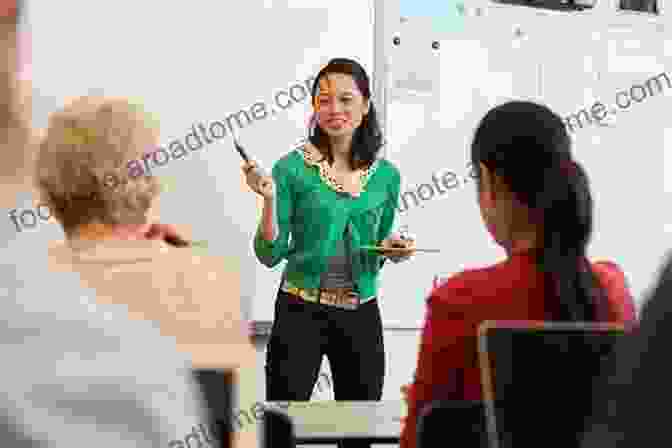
304, 332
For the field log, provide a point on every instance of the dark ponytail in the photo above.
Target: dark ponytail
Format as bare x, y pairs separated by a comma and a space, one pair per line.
528, 147
568, 224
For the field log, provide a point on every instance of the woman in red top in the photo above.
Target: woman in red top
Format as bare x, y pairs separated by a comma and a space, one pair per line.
536, 203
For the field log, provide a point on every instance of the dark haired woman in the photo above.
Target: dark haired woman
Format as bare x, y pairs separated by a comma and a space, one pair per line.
333, 196
536, 203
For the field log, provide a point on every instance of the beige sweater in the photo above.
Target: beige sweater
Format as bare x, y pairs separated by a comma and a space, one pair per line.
192, 298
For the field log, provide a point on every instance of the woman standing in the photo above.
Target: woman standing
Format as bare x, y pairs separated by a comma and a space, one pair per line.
332, 196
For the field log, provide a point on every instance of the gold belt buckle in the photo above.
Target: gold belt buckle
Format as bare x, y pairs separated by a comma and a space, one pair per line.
307, 296
340, 298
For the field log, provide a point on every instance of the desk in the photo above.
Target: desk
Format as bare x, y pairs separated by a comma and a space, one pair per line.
320, 422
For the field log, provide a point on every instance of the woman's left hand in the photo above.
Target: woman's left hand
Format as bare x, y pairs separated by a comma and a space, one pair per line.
401, 248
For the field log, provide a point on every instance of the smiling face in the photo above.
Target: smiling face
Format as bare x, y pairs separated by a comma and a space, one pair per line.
339, 105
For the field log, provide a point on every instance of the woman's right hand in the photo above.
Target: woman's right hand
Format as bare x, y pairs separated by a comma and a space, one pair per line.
260, 184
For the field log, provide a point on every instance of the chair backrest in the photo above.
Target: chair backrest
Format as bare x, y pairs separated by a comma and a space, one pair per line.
538, 379
461, 423
217, 388
278, 430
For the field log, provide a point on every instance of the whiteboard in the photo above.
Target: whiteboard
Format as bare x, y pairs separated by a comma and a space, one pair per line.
436, 95
194, 63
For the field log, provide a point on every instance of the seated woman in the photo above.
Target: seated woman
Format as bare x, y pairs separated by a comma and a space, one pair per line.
105, 210
536, 203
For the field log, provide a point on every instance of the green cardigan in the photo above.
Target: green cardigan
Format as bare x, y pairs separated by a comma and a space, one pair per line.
312, 217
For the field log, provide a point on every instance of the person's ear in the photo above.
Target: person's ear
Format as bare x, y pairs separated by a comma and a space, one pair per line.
367, 106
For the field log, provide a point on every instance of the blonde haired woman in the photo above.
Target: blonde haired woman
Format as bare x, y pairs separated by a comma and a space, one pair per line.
106, 213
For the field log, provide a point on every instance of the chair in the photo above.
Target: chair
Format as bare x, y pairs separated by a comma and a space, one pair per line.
538, 379
217, 388
278, 430
459, 422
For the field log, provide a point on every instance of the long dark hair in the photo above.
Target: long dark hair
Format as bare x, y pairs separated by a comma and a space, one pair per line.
528, 147
367, 139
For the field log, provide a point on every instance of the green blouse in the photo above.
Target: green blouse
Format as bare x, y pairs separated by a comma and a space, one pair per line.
312, 217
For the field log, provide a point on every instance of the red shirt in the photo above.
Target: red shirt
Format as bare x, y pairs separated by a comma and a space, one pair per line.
512, 290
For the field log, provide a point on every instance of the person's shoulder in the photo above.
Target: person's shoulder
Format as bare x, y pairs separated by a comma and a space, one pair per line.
290, 160
388, 167
213, 266
463, 288
621, 306
606, 266
389, 174
610, 273
288, 166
